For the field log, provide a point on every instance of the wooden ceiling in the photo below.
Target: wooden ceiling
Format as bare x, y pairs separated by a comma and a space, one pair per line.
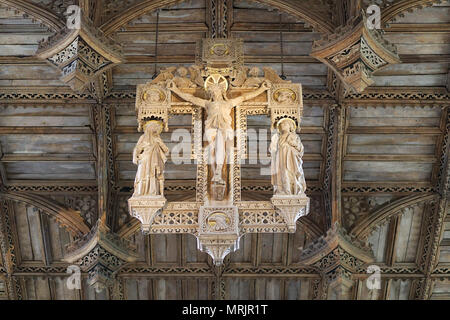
376, 162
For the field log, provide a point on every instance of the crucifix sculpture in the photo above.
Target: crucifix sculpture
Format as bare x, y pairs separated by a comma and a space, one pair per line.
222, 87
218, 125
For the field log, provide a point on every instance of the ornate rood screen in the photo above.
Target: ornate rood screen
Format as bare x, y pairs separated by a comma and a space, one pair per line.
219, 93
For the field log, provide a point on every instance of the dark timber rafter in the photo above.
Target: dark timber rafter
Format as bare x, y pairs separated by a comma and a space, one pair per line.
435, 220
105, 164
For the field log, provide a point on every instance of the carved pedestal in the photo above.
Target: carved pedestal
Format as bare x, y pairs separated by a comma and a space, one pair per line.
80, 54
336, 257
101, 254
145, 208
218, 231
291, 208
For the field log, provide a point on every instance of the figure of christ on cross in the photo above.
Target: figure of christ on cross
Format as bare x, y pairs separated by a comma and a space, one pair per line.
218, 128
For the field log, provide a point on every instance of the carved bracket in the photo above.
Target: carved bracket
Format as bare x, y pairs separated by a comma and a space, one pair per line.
101, 253
145, 208
354, 52
336, 256
291, 208
80, 54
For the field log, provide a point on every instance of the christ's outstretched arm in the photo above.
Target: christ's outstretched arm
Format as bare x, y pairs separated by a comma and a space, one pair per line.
248, 96
186, 96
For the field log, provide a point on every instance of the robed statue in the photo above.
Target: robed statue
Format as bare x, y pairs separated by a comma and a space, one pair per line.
150, 156
218, 130
287, 151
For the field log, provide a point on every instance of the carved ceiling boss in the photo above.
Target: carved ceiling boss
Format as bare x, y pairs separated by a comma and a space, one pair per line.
225, 92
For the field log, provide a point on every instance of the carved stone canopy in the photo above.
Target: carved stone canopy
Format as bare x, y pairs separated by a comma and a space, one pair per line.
354, 52
80, 54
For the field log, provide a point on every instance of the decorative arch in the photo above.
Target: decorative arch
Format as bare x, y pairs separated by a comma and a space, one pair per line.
362, 229
46, 17
292, 7
301, 10
68, 218
397, 8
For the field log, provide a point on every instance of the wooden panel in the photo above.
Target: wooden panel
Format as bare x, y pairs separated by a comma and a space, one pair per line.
310, 168
166, 289
91, 294
395, 116
272, 248
131, 289
408, 234
300, 240
54, 116
378, 242
127, 142
59, 238
435, 14
139, 240
173, 171
414, 68
386, 171
185, 15
46, 144
28, 72
37, 288
165, 248
238, 289
441, 291
391, 144
444, 253
297, 289
23, 231
430, 80
245, 253
62, 292
399, 290
191, 252
195, 289
50, 170
34, 223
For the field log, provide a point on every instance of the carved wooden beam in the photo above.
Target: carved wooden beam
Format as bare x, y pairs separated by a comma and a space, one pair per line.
8, 246
434, 227
363, 228
68, 218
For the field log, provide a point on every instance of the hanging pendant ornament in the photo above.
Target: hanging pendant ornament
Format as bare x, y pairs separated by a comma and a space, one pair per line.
217, 96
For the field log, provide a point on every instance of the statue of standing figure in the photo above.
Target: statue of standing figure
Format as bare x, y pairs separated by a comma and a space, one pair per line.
218, 130
150, 156
287, 152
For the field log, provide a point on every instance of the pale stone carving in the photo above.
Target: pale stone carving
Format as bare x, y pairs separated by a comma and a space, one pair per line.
218, 231
216, 84
150, 156
287, 152
218, 129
